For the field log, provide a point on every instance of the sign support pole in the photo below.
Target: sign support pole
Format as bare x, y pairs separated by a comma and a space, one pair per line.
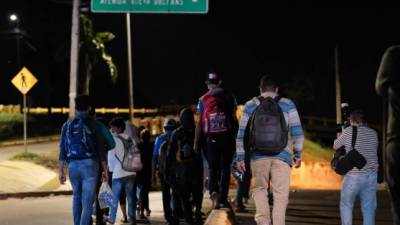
25, 124
130, 79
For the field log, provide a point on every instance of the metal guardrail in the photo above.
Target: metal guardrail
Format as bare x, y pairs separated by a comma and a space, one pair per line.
64, 110
10, 108
154, 123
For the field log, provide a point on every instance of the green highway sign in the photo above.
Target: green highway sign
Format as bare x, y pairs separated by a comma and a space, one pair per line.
150, 6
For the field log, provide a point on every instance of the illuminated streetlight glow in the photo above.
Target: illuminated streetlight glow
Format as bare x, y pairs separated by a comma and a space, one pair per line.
13, 17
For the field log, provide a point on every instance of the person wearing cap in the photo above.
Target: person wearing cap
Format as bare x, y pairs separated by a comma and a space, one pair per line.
161, 141
218, 124
362, 181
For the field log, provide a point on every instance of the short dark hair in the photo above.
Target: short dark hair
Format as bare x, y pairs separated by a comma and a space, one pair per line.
82, 102
357, 115
268, 83
118, 122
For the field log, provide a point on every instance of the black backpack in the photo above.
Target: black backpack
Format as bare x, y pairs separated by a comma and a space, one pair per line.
185, 152
268, 132
162, 157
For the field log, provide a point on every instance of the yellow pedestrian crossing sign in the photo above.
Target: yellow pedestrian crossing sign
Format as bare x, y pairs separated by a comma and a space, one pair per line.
24, 80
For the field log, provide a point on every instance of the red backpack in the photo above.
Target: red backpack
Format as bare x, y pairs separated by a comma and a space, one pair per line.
214, 118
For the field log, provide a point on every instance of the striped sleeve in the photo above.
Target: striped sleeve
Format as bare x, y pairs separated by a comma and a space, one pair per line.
341, 140
248, 110
296, 130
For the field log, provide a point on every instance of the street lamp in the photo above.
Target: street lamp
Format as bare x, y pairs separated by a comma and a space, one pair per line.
14, 18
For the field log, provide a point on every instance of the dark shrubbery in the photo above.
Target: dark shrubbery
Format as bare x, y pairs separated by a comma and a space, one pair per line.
12, 125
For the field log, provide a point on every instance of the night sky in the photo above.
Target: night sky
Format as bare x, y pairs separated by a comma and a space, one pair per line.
173, 53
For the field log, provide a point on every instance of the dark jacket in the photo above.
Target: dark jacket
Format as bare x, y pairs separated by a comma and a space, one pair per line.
183, 168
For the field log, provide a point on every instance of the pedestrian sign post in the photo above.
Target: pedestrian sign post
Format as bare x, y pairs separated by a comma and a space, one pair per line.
24, 81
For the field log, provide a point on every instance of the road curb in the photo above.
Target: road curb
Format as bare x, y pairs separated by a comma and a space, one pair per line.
20, 195
29, 141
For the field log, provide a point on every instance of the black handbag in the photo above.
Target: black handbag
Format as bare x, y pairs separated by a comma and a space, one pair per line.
342, 163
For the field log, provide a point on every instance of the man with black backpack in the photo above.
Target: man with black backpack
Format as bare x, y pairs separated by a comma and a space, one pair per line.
217, 123
185, 171
82, 148
264, 128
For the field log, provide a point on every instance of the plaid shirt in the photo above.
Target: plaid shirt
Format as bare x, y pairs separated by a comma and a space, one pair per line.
292, 120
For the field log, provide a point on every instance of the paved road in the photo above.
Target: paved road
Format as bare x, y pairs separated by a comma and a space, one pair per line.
57, 210
321, 207
39, 148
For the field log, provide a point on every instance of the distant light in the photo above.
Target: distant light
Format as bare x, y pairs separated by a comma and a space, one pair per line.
13, 17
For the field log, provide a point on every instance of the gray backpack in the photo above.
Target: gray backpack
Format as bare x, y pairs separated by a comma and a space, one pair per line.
131, 161
268, 132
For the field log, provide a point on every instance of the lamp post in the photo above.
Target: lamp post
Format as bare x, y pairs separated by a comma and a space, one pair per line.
14, 18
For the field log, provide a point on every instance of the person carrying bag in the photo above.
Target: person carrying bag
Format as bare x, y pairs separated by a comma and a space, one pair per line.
342, 162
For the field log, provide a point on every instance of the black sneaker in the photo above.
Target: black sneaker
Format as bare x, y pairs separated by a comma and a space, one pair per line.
241, 209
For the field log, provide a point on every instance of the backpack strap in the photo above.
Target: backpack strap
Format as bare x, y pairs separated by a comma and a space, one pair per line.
353, 137
123, 140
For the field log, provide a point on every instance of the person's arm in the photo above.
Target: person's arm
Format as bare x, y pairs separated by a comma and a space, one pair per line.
197, 134
101, 151
198, 129
240, 148
107, 136
235, 121
340, 141
62, 155
296, 133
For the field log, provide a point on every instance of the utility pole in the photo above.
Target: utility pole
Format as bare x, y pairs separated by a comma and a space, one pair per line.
130, 79
338, 88
74, 63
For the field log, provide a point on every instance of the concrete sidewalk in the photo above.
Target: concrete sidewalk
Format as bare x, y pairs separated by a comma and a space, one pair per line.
26, 179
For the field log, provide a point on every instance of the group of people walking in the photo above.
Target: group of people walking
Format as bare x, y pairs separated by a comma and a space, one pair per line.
92, 152
264, 145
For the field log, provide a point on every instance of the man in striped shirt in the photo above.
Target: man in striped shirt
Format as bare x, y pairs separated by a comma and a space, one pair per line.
359, 181
271, 170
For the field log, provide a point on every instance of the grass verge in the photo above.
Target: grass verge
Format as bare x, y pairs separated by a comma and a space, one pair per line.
49, 160
313, 152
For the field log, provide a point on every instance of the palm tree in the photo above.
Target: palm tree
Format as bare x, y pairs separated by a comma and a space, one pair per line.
92, 46
93, 49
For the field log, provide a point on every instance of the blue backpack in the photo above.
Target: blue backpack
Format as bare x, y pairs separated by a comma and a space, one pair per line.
80, 142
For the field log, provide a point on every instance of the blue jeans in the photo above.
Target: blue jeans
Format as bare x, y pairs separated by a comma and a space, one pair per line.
365, 186
83, 175
124, 184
